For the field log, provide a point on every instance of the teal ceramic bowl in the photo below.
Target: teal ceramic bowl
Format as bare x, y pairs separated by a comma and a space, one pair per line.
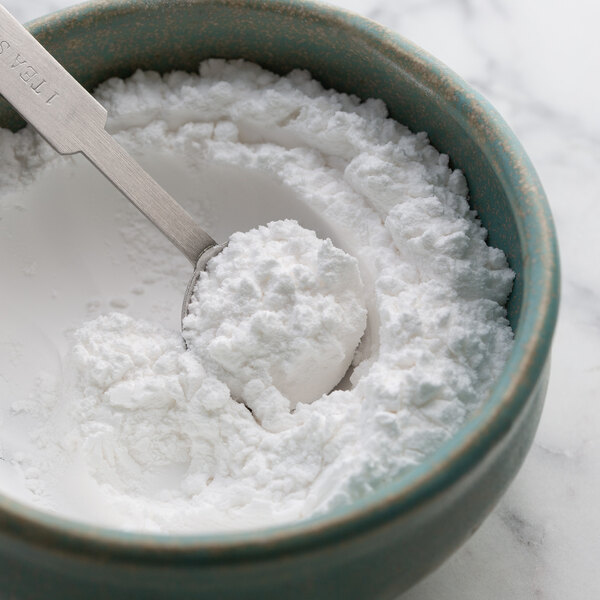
382, 545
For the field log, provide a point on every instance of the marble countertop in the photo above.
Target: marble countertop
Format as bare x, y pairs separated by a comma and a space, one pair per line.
537, 61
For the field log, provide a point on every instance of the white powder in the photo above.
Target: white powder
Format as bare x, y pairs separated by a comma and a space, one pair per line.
137, 433
278, 314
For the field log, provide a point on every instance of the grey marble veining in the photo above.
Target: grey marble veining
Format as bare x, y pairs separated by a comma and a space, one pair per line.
537, 61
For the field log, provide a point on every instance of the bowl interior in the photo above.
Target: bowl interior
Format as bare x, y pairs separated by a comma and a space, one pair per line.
346, 52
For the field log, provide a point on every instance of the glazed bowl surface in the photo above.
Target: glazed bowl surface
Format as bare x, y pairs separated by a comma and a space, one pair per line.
380, 546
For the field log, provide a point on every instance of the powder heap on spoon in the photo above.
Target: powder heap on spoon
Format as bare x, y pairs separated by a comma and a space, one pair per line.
277, 315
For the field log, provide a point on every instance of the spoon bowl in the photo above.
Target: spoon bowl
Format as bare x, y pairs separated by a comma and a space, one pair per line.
209, 253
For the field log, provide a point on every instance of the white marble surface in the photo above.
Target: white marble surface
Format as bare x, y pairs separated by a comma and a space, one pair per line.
538, 62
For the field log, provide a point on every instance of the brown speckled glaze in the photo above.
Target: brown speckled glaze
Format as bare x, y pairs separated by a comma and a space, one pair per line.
383, 544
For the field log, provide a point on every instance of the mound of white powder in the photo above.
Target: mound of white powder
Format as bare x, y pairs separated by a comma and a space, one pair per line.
277, 316
140, 434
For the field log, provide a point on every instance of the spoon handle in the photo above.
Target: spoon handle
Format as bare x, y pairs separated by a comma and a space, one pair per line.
72, 121
147, 195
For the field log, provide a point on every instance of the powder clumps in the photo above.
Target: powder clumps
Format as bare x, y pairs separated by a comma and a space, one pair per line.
147, 436
278, 314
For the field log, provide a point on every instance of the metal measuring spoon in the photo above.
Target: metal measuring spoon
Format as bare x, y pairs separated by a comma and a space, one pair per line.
72, 121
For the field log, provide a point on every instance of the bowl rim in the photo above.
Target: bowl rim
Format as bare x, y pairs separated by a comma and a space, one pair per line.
456, 457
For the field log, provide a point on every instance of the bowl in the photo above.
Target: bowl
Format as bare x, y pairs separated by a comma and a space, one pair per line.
383, 544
